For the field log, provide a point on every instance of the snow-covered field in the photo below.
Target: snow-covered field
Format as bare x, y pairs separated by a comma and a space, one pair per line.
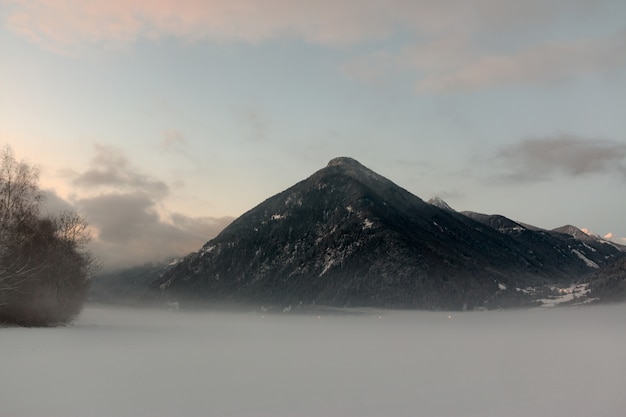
122, 362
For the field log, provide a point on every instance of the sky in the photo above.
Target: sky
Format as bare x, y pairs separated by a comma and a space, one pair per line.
160, 121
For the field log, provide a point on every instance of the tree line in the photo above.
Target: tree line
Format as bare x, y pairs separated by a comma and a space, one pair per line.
44, 264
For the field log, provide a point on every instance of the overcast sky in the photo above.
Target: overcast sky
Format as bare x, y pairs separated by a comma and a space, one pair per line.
162, 120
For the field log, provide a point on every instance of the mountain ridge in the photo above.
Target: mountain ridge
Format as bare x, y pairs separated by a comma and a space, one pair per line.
347, 236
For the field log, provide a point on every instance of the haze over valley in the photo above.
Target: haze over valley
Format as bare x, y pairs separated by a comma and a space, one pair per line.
142, 363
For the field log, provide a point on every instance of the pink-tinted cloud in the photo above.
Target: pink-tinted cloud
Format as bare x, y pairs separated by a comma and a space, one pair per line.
610, 236
546, 63
453, 63
66, 23
442, 51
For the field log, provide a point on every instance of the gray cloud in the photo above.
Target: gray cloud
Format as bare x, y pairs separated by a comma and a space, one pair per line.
125, 208
120, 217
53, 204
130, 231
111, 168
538, 159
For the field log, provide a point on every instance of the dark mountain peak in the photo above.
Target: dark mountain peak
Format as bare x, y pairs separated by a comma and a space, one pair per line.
573, 231
354, 169
345, 161
345, 179
495, 221
439, 202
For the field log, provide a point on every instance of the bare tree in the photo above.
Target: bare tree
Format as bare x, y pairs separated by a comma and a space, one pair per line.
44, 267
19, 205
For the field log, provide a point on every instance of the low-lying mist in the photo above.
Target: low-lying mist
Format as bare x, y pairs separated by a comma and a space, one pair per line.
124, 362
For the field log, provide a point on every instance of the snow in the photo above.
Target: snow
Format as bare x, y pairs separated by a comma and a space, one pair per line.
209, 249
565, 295
367, 224
501, 286
278, 216
140, 363
331, 258
588, 262
589, 247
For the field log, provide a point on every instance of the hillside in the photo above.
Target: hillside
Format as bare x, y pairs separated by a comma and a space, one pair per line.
347, 236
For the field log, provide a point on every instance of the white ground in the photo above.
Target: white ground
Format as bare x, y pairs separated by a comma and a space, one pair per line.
541, 362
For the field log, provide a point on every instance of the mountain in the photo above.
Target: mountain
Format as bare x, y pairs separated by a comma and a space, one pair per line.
438, 202
124, 286
609, 283
575, 232
588, 238
347, 236
577, 252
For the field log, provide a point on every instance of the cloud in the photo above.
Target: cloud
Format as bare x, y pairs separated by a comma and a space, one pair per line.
200, 227
542, 64
444, 41
110, 169
451, 64
616, 239
130, 231
537, 159
126, 210
120, 217
53, 204
66, 23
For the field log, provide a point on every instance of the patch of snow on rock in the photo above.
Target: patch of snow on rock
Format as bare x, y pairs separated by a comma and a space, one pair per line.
588, 262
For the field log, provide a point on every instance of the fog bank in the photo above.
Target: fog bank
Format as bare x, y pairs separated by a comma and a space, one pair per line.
122, 362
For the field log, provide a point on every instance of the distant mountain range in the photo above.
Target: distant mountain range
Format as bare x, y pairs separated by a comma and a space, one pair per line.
346, 236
